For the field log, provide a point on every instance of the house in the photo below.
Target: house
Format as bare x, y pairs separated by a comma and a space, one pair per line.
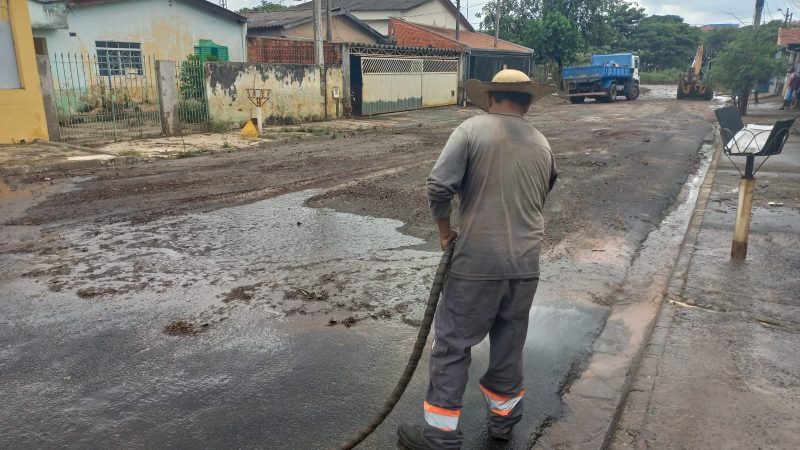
128, 30
789, 43
377, 13
298, 23
22, 116
483, 59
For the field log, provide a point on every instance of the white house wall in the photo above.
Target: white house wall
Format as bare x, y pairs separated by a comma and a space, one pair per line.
431, 13
167, 29
378, 20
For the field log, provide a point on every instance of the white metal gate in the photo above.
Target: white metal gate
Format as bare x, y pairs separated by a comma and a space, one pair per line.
401, 84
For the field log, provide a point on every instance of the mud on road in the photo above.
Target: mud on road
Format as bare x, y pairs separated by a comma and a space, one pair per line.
259, 278
617, 177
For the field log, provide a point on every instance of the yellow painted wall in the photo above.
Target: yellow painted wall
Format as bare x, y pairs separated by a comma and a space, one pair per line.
22, 110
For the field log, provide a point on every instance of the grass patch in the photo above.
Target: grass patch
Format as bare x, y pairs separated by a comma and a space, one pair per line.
189, 154
131, 154
217, 126
669, 76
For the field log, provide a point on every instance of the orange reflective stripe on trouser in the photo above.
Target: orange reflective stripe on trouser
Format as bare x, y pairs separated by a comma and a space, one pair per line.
441, 418
502, 405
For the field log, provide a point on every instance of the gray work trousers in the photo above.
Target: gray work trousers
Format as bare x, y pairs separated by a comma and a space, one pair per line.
467, 312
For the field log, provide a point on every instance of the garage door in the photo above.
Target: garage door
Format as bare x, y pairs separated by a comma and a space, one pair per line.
401, 84
439, 82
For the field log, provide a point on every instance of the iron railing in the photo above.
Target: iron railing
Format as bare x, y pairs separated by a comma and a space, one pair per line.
108, 99
192, 103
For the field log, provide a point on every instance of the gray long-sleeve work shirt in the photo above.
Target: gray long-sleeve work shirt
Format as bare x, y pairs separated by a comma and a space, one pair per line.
502, 169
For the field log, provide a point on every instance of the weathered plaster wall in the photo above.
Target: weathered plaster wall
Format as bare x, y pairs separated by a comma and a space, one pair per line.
22, 110
295, 97
167, 30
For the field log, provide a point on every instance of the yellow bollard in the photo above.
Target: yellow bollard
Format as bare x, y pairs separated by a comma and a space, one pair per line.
249, 130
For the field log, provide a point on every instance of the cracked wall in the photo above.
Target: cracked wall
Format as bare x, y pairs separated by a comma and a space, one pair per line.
296, 93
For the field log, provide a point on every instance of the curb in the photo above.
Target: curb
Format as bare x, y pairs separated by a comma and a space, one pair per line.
677, 280
594, 402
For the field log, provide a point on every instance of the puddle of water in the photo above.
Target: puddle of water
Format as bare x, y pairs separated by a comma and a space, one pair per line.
7, 193
268, 250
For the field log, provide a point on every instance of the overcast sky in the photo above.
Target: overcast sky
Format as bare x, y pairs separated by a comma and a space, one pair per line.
695, 12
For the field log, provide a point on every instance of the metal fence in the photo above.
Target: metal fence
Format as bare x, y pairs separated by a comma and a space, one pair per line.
107, 97
192, 103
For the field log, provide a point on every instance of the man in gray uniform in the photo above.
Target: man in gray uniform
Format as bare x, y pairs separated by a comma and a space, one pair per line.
502, 170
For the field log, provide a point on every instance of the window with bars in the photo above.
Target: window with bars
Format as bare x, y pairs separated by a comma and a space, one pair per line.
119, 58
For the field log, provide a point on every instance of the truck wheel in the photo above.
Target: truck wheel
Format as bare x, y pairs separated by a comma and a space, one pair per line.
576, 100
612, 93
709, 94
680, 92
633, 92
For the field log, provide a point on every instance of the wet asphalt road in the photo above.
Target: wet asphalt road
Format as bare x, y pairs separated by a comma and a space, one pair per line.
85, 362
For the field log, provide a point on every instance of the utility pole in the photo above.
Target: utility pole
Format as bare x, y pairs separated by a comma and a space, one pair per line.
319, 55
458, 19
497, 23
757, 14
329, 34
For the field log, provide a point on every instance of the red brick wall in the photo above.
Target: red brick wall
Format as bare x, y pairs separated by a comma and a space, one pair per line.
286, 51
406, 35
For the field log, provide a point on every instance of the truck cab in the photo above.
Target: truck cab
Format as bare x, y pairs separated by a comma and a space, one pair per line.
607, 77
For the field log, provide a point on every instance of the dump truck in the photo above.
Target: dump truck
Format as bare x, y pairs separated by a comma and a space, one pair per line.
691, 84
606, 78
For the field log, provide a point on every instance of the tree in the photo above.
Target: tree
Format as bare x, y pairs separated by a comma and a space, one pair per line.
263, 7
554, 38
622, 23
716, 40
747, 61
664, 41
605, 25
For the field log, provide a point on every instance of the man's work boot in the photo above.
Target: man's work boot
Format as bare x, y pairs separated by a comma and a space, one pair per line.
412, 438
504, 434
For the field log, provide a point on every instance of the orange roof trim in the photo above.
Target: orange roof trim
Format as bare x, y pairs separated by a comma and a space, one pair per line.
788, 36
471, 39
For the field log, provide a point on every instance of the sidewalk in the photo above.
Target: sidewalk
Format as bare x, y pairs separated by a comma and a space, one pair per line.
722, 368
48, 156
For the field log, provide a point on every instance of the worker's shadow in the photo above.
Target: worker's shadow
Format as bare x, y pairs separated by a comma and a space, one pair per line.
484, 442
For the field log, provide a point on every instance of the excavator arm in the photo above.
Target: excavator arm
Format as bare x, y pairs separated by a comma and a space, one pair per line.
698, 60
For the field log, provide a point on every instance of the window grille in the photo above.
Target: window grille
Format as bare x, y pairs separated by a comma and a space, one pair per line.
391, 65
441, 65
119, 58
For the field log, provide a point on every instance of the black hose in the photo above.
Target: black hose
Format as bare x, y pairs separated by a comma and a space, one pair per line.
413, 360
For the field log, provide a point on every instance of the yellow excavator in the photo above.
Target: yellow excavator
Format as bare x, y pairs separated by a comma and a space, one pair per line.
691, 84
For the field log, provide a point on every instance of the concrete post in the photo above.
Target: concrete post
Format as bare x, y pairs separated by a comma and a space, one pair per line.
346, 80
167, 81
49, 97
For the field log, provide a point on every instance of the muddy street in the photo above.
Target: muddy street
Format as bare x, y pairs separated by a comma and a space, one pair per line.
268, 297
